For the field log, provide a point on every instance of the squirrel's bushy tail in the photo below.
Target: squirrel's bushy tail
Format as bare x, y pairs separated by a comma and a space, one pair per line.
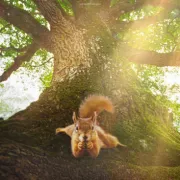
96, 103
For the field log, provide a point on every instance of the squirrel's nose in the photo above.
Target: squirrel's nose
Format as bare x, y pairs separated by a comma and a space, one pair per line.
85, 138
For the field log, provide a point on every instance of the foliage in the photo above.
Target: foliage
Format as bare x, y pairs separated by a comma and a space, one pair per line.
114, 2
30, 7
4, 108
41, 64
166, 39
144, 12
162, 37
66, 5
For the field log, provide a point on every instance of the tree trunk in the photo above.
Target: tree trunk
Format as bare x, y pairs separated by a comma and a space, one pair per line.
31, 150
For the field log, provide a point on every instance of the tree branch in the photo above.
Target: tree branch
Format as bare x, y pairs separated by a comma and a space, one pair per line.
154, 58
18, 61
22, 20
49, 10
43, 62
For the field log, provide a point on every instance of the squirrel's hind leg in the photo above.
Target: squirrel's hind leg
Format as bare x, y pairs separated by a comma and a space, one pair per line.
112, 141
108, 140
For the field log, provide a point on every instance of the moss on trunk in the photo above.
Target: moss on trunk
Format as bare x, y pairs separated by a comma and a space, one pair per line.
31, 150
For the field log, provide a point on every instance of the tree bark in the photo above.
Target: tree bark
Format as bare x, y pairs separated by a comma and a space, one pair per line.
31, 150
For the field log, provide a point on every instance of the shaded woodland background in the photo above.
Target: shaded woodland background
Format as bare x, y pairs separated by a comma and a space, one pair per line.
115, 48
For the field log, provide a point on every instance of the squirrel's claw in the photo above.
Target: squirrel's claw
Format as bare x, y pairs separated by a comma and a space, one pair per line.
81, 145
89, 145
59, 130
121, 145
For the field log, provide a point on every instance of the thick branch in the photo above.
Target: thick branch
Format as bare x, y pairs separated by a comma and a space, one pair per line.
49, 10
22, 20
18, 61
154, 58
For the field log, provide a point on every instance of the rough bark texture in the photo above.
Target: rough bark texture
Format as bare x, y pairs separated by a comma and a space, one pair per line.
31, 150
68, 40
29, 147
37, 164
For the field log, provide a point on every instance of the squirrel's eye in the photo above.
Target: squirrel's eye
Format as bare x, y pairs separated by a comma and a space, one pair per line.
77, 128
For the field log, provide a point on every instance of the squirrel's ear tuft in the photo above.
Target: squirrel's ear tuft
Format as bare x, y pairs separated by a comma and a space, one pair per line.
74, 117
94, 118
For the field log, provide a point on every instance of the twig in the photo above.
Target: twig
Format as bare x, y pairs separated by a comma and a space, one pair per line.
18, 61
43, 62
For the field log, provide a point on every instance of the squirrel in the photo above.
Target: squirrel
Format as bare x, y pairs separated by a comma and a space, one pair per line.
86, 135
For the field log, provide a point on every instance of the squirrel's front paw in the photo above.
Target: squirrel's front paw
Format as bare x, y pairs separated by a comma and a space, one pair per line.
89, 145
58, 130
81, 145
